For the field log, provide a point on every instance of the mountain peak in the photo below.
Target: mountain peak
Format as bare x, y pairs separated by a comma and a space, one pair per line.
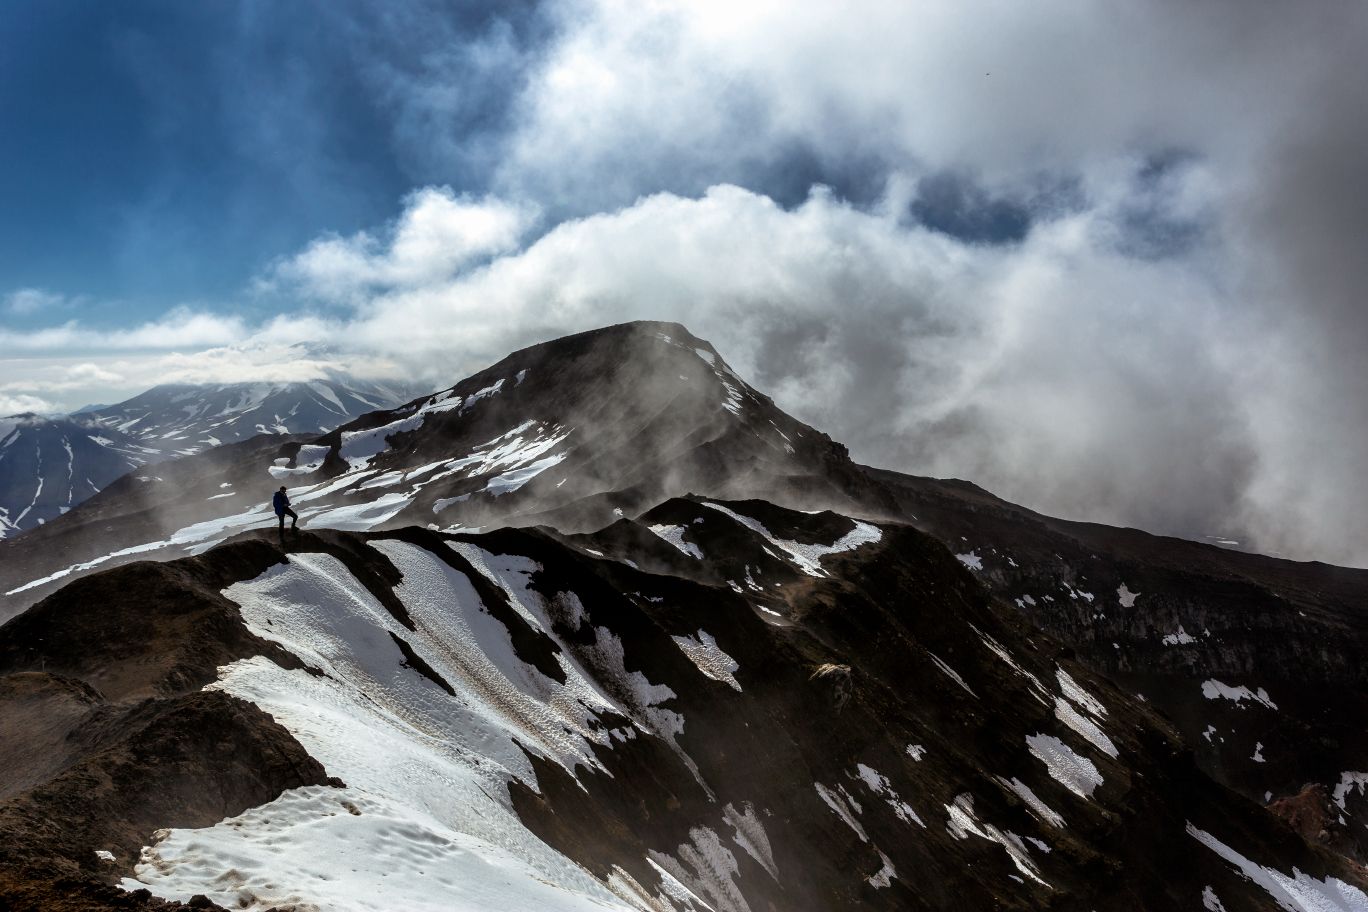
574, 432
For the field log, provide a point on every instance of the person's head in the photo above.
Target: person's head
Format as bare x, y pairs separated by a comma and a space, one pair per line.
282, 489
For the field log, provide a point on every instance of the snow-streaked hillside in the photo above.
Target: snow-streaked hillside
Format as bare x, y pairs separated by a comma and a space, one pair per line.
717, 705
181, 419
50, 465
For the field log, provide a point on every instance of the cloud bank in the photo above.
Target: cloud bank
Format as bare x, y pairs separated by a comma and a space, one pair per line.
1106, 261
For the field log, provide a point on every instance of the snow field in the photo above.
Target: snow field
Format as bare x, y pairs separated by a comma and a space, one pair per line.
428, 772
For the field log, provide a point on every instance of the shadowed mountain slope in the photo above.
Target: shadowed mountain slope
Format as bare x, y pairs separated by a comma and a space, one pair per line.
848, 722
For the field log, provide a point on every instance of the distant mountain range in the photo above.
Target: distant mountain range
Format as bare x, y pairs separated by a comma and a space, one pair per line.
50, 464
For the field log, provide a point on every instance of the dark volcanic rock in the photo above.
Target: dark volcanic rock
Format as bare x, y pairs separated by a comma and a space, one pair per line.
1186, 625
862, 734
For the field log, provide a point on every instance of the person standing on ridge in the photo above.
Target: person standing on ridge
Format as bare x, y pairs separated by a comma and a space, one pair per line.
281, 502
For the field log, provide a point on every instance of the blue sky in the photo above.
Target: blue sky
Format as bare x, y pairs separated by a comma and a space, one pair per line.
1106, 260
157, 153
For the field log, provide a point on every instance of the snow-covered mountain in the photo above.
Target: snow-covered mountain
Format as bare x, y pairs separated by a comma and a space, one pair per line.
601, 627
182, 419
49, 465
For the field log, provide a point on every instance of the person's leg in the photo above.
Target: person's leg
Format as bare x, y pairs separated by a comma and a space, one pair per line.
294, 519
281, 517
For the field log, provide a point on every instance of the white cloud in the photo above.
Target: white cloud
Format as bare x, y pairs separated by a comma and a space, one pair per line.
641, 96
437, 234
18, 404
25, 301
62, 379
180, 328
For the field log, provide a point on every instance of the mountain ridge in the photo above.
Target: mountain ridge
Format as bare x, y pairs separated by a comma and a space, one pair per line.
745, 674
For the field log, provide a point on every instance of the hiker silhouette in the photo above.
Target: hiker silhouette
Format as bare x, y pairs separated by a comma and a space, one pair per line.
281, 502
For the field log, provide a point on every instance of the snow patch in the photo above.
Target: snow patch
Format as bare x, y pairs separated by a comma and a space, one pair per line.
675, 536
363, 516
1213, 689
1039, 808
1075, 692
1181, 638
971, 560
1349, 783
709, 658
1210, 901
750, 835
952, 674
308, 460
963, 824
714, 869
808, 558
1085, 728
879, 784
1075, 773
837, 802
